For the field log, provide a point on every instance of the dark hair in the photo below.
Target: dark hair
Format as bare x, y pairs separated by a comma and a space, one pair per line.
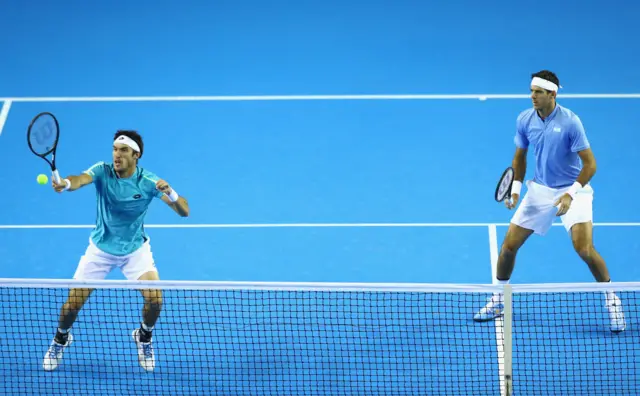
133, 135
547, 75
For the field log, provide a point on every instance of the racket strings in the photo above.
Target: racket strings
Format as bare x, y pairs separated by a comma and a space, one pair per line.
43, 135
504, 186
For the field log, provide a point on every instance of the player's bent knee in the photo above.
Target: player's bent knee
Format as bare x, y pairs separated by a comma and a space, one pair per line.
516, 236
510, 246
154, 299
584, 250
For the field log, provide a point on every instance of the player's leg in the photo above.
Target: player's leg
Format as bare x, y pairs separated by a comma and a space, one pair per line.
69, 312
513, 241
578, 221
141, 266
63, 338
94, 265
534, 215
152, 307
582, 239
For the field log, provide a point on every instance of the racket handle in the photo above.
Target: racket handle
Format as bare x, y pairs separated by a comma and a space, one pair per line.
56, 176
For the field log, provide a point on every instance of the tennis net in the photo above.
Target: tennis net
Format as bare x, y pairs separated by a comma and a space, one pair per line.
247, 338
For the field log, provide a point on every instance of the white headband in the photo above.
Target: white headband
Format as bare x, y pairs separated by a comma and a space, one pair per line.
127, 141
545, 84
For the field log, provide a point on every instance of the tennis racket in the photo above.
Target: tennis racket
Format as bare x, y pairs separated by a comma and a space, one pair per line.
503, 190
43, 135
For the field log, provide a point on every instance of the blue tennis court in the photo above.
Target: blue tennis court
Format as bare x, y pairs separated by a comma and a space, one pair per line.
390, 191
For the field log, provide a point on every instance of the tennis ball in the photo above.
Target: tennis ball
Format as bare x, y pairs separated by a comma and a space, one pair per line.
42, 179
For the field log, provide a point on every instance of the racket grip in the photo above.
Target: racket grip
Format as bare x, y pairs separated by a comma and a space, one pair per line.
56, 176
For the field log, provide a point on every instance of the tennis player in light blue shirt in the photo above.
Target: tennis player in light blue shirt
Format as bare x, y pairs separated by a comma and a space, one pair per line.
124, 191
564, 167
119, 228
557, 141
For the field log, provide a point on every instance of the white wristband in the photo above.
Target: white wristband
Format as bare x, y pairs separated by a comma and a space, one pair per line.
67, 184
516, 187
573, 190
173, 197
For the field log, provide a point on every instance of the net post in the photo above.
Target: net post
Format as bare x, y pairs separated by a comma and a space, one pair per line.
508, 341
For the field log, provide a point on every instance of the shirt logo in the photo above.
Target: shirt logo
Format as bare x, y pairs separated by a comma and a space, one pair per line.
137, 196
557, 129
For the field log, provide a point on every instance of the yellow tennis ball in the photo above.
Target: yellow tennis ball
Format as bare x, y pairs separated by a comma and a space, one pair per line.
42, 179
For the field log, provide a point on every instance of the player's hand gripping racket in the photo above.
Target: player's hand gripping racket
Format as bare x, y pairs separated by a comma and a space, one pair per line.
503, 190
43, 135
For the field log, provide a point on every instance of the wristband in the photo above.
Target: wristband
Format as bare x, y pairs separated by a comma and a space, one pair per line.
173, 197
516, 187
573, 190
67, 184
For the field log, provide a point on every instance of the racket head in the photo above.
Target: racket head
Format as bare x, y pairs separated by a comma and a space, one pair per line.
43, 134
503, 190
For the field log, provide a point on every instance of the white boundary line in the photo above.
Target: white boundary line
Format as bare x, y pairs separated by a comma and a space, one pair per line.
498, 322
4, 113
235, 98
493, 251
300, 225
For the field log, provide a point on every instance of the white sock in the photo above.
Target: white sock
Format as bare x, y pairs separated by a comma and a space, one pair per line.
610, 296
499, 297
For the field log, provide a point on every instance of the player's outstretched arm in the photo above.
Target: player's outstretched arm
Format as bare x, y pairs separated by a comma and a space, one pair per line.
177, 203
72, 183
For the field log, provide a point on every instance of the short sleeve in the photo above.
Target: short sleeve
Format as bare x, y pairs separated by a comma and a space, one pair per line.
577, 136
520, 138
96, 171
152, 179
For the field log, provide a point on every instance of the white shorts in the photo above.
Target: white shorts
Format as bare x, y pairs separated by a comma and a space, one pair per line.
536, 211
96, 264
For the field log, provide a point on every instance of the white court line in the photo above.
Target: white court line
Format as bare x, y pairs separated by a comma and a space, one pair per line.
301, 225
4, 113
234, 98
493, 251
499, 323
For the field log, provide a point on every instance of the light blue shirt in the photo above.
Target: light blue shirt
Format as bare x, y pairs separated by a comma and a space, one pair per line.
121, 208
556, 142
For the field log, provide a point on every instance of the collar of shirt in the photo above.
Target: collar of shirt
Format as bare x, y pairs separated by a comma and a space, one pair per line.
550, 116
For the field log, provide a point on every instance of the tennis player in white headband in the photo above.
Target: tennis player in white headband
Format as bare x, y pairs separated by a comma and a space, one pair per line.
124, 191
560, 187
